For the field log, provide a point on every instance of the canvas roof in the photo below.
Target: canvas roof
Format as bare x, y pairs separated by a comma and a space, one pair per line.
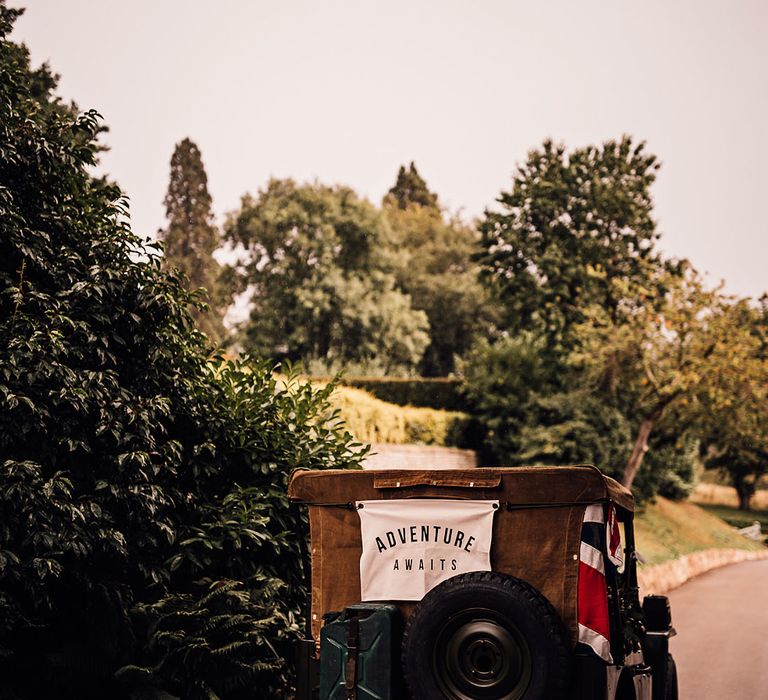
518, 486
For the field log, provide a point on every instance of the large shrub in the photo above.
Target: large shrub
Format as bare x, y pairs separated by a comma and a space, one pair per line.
574, 428
523, 422
143, 519
500, 380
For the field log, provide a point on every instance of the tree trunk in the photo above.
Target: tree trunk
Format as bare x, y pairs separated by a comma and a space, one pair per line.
745, 501
641, 445
745, 490
638, 452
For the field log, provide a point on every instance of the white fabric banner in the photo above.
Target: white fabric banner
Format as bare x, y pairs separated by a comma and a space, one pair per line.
411, 545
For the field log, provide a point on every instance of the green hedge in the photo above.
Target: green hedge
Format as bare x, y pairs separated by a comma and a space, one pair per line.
441, 393
372, 420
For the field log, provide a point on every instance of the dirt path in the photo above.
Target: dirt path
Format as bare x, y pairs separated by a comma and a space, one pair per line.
721, 648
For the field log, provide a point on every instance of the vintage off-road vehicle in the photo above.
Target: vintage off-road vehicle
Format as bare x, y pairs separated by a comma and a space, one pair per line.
503, 584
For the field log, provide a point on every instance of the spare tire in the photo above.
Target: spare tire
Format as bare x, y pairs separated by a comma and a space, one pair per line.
486, 636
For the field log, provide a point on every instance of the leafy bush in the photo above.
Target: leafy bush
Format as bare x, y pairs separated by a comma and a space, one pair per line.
136, 472
575, 428
216, 645
499, 380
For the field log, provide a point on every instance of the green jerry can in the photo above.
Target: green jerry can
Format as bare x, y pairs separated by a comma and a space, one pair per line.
360, 653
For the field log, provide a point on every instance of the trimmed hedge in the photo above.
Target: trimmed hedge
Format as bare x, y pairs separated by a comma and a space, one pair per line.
442, 393
370, 419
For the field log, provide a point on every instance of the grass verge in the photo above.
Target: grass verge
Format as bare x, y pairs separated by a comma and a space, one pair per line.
666, 530
735, 517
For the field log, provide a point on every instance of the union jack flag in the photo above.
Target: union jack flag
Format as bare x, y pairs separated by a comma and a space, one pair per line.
600, 536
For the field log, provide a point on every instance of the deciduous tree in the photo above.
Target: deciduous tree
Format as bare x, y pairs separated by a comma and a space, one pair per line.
660, 351
433, 258
318, 262
735, 419
572, 223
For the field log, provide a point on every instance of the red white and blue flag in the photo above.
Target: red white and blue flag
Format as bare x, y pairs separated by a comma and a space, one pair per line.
599, 534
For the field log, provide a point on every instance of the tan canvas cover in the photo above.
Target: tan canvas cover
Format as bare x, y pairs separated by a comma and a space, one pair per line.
536, 533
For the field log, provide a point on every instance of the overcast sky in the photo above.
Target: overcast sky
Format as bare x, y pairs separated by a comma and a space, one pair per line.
346, 91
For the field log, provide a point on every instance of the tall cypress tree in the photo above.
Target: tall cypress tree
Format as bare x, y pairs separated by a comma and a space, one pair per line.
191, 236
410, 188
435, 268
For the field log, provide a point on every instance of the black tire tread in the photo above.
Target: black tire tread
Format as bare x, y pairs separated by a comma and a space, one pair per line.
671, 685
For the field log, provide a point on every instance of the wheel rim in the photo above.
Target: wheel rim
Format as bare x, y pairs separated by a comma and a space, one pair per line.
480, 655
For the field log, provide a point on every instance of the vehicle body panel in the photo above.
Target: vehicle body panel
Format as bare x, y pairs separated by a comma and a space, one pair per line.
536, 532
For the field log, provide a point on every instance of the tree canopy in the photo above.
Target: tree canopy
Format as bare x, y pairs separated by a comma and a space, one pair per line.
733, 416
410, 189
571, 254
660, 352
433, 260
317, 261
572, 223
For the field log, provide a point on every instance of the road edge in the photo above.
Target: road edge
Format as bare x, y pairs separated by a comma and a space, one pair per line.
662, 578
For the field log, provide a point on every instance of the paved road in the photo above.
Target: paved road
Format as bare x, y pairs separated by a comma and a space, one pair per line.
419, 457
721, 647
